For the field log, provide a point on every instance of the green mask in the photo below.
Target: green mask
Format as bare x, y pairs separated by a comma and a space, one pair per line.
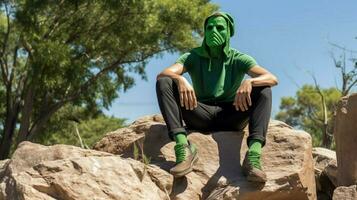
216, 40
216, 32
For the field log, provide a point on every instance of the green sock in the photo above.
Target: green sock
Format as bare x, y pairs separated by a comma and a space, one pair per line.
181, 138
254, 152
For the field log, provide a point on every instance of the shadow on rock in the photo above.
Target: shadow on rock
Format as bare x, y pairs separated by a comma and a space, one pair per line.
229, 171
179, 186
152, 143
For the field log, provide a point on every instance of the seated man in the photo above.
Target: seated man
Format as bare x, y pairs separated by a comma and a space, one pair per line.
219, 99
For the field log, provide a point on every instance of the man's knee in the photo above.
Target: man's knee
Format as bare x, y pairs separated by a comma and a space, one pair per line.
263, 92
163, 83
266, 92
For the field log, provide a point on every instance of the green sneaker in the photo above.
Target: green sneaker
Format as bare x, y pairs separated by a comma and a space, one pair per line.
186, 157
253, 173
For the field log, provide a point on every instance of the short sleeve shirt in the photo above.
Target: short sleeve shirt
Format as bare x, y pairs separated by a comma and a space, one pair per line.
216, 79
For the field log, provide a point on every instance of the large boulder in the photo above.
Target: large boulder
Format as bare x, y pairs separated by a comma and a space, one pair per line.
287, 160
67, 172
38, 172
346, 139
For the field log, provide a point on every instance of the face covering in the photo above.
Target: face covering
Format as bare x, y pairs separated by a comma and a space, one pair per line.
216, 32
218, 28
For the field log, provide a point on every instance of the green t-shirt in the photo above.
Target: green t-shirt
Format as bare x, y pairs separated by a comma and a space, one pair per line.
213, 79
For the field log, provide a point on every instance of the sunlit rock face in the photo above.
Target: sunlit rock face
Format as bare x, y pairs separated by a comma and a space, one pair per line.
287, 160
110, 172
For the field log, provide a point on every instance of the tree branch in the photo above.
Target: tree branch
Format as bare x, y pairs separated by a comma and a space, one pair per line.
3, 72
14, 64
342, 48
25, 116
350, 86
56, 21
42, 119
342, 71
110, 67
46, 114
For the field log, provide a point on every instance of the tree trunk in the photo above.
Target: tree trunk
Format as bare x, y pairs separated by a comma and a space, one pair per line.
38, 125
25, 117
326, 139
9, 130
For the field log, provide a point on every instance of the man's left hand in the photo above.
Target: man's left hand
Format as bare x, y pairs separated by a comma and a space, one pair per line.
242, 99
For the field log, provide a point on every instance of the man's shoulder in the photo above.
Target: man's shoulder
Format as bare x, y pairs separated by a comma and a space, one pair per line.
238, 54
192, 53
242, 60
189, 58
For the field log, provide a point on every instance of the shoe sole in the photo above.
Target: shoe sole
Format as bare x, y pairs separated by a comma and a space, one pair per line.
256, 179
250, 178
188, 170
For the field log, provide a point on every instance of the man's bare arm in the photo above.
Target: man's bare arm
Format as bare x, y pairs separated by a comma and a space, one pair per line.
187, 94
174, 71
261, 77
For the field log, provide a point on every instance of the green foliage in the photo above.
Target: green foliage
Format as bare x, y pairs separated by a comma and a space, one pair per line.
135, 151
305, 111
141, 157
82, 53
91, 126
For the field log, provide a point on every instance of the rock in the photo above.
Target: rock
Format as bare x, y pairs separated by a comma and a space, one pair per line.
67, 172
287, 160
3, 165
331, 172
345, 193
346, 140
322, 157
325, 172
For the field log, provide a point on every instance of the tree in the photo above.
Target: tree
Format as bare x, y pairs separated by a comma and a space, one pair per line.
77, 126
54, 53
348, 74
316, 116
306, 112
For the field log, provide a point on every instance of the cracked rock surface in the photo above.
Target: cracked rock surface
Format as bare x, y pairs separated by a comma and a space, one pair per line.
110, 172
287, 160
72, 173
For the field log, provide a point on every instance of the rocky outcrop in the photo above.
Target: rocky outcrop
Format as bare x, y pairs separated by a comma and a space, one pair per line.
325, 172
345, 193
346, 140
38, 172
66, 172
287, 160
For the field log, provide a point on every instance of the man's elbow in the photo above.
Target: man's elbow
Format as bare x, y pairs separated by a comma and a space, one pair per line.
158, 76
274, 80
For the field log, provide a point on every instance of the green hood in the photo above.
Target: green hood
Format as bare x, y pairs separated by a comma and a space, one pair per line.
203, 49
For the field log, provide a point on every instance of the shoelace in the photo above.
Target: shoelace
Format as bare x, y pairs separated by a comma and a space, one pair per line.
180, 152
254, 159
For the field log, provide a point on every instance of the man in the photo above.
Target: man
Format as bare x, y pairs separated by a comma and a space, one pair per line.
219, 99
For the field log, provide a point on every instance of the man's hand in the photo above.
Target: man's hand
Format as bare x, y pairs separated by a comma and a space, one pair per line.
242, 99
187, 94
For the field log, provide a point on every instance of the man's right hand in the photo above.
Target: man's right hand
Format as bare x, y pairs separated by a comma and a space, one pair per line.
187, 94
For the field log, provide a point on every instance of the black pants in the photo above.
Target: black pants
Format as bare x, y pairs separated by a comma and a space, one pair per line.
214, 116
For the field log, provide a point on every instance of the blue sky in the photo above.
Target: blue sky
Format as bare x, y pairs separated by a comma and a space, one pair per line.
289, 38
